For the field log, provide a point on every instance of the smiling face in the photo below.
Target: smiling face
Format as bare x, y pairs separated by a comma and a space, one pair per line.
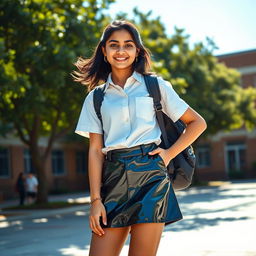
120, 50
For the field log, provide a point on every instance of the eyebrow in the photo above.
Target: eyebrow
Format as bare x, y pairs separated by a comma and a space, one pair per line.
116, 41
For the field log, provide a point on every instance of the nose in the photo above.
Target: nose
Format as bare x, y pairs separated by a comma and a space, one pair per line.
121, 49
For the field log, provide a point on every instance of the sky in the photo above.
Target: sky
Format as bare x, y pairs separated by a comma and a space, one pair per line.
231, 24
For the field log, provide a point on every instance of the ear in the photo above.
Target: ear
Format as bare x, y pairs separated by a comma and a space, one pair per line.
137, 52
103, 50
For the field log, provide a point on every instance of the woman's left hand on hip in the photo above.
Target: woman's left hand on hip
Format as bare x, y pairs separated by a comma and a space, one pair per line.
163, 154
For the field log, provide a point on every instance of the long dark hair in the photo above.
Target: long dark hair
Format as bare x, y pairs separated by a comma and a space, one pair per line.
93, 70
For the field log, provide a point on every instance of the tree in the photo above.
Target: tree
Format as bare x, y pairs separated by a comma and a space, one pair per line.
208, 86
39, 41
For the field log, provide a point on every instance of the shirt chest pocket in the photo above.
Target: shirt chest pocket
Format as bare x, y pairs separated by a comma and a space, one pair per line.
144, 108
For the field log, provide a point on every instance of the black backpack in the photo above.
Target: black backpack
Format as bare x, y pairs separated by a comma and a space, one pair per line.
181, 168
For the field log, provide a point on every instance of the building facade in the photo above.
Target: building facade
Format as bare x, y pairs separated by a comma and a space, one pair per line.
66, 167
232, 154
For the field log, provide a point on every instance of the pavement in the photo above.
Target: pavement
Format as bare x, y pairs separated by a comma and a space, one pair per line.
219, 220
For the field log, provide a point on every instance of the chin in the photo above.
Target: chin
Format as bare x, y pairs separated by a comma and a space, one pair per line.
122, 66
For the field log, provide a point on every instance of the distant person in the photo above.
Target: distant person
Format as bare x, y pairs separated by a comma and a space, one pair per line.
31, 187
21, 187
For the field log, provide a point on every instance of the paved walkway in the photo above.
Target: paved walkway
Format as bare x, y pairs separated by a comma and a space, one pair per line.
218, 221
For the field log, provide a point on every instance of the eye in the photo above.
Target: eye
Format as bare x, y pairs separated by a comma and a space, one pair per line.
129, 46
113, 46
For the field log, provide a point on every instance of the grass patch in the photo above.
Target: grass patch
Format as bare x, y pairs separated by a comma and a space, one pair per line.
49, 205
199, 183
3, 216
203, 183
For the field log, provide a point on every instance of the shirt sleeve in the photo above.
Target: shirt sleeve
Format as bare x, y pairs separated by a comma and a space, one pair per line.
173, 105
88, 120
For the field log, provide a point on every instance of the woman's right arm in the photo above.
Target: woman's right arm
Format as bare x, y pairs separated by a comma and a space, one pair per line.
96, 159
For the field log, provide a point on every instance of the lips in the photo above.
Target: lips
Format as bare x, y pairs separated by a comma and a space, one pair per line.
120, 59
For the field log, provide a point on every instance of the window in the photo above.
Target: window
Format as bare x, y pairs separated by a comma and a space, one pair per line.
235, 156
4, 163
57, 162
28, 166
203, 156
80, 161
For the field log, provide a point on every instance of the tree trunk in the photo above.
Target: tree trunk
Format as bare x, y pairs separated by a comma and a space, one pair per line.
39, 162
42, 195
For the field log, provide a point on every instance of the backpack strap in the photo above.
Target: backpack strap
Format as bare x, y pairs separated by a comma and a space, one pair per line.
154, 92
98, 97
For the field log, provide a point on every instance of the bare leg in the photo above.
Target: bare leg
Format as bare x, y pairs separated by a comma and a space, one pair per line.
145, 238
110, 244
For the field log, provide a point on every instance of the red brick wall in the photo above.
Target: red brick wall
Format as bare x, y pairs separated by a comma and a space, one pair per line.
216, 171
237, 60
69, 181
249, 80
251, 157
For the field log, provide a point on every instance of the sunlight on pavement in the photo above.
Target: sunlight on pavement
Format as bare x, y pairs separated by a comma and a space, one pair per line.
80, 213
232, 240
4, 224
74, 250
78, 200
42, 220
2, 217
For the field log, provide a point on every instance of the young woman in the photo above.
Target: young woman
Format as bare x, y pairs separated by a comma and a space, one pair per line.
129, 186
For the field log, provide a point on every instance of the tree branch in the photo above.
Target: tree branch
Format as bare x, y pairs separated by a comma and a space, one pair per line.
52, 135
21, 134
62, 132
35, 128
23, 118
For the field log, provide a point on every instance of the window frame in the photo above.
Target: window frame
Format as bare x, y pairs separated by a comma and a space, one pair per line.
8, 164
63, 173
203, 149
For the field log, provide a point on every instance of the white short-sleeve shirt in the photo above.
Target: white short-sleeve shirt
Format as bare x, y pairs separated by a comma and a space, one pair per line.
32, 184
128, 113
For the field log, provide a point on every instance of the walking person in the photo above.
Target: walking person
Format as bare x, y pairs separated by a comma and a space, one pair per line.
21, 188
129, 186
31, 187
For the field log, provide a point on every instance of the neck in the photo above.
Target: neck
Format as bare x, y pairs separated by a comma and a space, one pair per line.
119, 77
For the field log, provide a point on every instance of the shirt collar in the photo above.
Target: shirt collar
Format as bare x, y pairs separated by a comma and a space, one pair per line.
135, 75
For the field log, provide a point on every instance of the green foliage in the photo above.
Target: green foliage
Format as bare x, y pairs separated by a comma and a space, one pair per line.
208, 86
40, 41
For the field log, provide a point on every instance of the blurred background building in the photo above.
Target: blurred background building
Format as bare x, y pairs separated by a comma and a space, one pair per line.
232, 154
